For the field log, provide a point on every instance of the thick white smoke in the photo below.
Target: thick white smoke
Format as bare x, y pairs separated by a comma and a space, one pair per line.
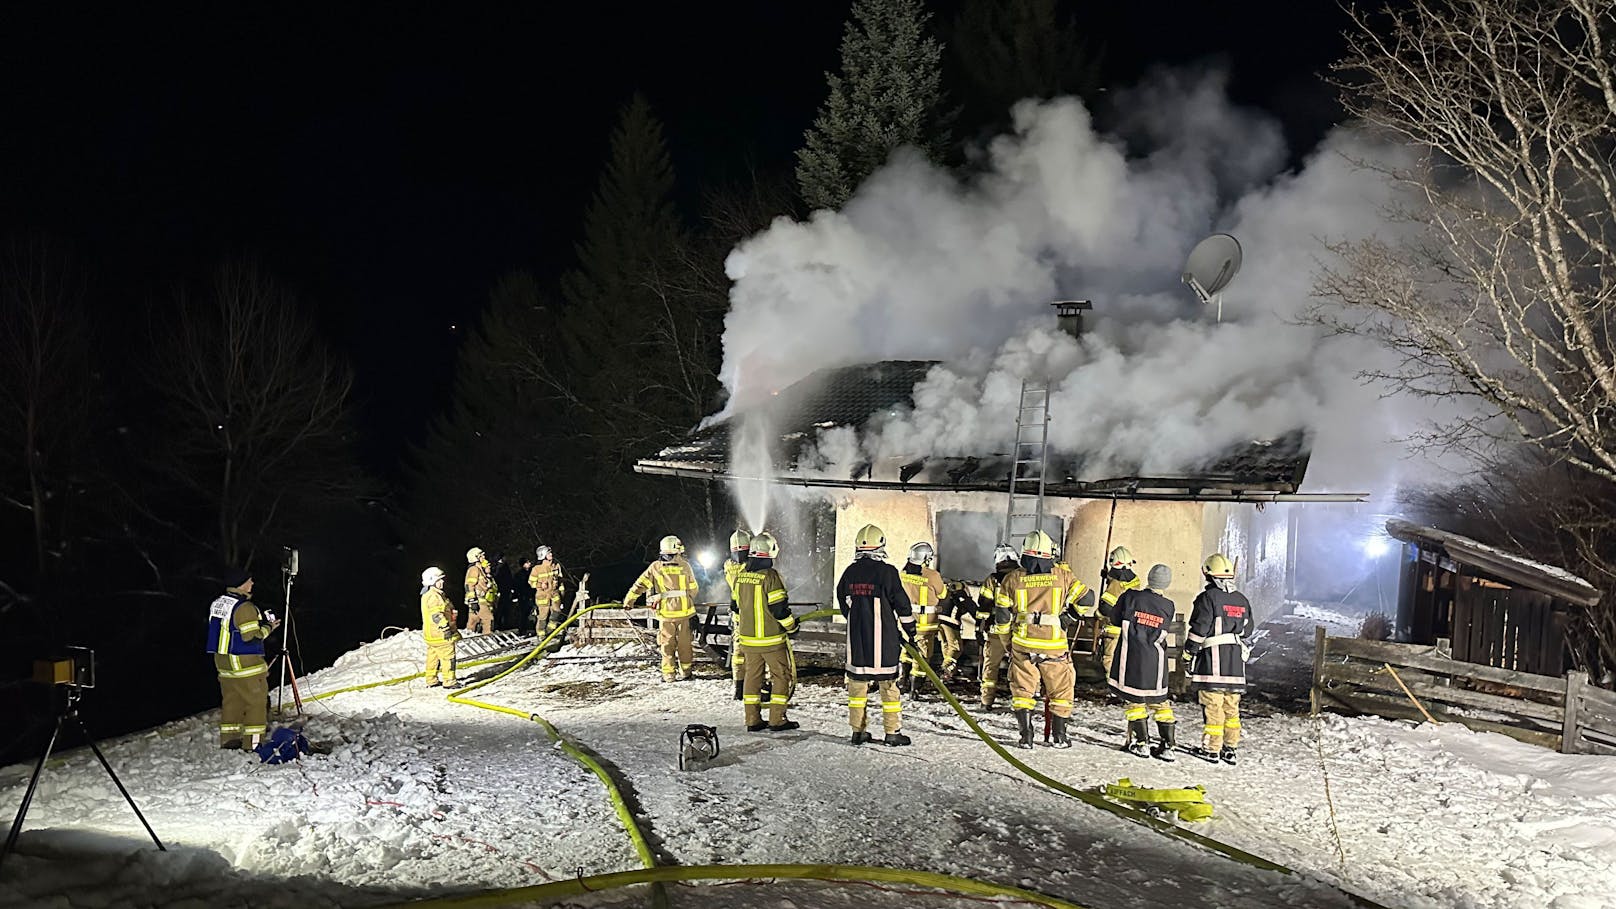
921, 264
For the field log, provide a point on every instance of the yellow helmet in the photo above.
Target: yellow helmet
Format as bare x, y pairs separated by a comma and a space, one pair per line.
765, 547
1218, 566
474, 554
739, 540
1038, 545
671, 546
1120, 557
869, 539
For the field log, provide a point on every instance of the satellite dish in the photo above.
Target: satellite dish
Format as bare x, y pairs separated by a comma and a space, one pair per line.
1211, 266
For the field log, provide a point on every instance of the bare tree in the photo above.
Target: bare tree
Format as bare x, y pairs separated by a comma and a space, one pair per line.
256, 407
1501, 293
45, 369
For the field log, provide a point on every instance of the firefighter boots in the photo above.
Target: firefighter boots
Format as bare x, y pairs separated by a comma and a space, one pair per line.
1024, 719
759, 726
1204, 754
1059, 732
1138, 741
895, 738
1164, 748
1228, 756
786, 726
860, 737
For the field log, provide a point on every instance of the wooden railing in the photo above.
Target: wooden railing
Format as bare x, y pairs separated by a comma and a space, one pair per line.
1414, 682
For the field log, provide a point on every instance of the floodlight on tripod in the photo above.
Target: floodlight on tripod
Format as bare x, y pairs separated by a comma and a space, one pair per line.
1211, 266
289, 567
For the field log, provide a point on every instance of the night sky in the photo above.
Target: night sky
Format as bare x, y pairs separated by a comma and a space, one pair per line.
390, 161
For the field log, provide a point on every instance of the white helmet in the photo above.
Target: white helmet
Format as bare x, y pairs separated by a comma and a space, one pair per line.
1004, 552
474, 554
671, 546
543, 553
922, 553
431, 576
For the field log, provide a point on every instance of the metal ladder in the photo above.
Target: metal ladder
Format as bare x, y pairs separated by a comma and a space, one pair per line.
1025, 512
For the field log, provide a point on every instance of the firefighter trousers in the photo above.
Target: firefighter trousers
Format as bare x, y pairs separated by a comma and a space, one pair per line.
1109, 635
951, 646
994, 648
440, 661
547, 615
1220, 719
925, 642
773, 663
891, 704
243, 709
673, 636
479, 618
1029, 669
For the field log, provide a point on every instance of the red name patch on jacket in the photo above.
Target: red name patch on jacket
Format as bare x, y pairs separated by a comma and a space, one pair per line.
1234, 612
861, 590
1148, 620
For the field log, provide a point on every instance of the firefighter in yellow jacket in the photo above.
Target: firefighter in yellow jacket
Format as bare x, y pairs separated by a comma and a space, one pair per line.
740, 549
926, 591
1033, 602
236, 633
995, 645
762, 620
438, 630
481, 592
548, 588
669, 585
1119, 579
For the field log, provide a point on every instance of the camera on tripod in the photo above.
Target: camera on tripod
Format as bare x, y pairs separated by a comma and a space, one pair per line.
74, 669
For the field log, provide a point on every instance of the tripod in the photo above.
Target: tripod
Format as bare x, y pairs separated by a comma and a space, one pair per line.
67, 708
284, 656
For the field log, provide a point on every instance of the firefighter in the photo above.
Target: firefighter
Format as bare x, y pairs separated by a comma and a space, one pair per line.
1219, 641
1119, 578
548, 587
236, 633
1139, 672
762, 620
995, 645
481, 592
872, 599
926, 592
669, 586
1033, 603
740, 550
949, 618
438, 630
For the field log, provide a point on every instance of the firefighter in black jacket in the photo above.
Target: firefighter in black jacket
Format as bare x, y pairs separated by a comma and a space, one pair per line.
879, 619
1139, 672
995, 647
1219, 639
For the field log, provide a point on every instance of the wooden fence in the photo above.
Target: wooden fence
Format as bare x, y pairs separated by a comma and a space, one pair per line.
1413, 682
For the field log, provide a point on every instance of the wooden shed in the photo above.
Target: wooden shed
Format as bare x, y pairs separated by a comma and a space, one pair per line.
1497, 608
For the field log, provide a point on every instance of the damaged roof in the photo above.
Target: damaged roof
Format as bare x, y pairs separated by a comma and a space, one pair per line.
1504, 565
853, 395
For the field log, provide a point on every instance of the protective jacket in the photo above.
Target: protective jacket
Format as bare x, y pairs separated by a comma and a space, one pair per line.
547, 583
235, 633
437, 617
1030, 604
956, 605
1219, 634
926, 591
1118, 581
1139, 671
672, 582
762, 618
987, 599
480, 586
872, 599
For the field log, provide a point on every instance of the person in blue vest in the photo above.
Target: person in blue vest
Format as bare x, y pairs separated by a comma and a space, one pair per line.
236, 633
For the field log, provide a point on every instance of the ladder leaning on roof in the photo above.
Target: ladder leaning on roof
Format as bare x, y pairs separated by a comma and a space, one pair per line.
1025, 510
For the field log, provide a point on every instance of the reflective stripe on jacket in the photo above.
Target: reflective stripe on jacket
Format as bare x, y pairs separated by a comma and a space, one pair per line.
437, 617
1220, 624
926, 591
1032, 604
673, 582
480, 586
235, 633
1139, 670
761, 618
872, 599
546, 581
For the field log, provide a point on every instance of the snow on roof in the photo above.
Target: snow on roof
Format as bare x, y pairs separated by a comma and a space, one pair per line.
1539, 576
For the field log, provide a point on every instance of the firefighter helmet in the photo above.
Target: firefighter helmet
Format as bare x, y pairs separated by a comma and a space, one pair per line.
671, 546
764, 546
869, 539
1120, 557
1218, 566
922, 553
739, 540
431, 576
543, 553
474, 554
1004, 552
1038, 545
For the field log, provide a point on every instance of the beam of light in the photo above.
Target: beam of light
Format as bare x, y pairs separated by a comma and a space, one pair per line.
706, 558
1375, 547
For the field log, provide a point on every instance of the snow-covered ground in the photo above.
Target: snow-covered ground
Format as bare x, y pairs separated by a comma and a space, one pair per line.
423, 796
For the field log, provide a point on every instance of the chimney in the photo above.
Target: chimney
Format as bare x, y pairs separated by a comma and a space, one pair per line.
1069, 315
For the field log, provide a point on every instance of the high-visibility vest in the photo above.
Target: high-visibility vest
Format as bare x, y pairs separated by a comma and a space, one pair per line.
761, 617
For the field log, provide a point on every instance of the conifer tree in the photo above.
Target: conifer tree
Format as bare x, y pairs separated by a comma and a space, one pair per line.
889, 93
1007, 50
